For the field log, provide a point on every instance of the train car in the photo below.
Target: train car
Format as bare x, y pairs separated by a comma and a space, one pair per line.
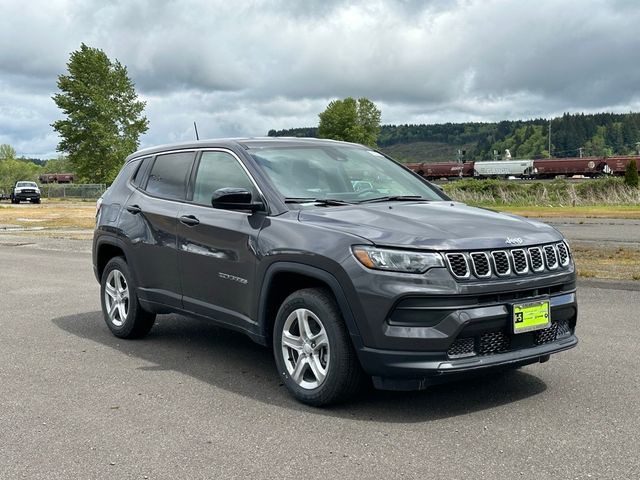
56, 178
451, 170
552, 167
618, 165
504, 168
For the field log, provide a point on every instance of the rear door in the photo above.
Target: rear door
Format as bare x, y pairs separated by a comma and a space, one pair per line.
216, 248
150, 222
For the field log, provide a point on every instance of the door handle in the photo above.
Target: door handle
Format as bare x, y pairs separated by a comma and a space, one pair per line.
133, 209
189, 220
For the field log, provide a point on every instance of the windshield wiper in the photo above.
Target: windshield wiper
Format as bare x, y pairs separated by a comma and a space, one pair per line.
322, 201
396, 198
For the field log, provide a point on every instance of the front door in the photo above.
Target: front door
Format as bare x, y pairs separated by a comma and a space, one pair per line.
216, 254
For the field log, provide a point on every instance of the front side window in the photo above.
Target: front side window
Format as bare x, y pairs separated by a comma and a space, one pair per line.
350, 174
219, 170
168, 176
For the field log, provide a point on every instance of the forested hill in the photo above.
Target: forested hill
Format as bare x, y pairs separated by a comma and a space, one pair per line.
597, 134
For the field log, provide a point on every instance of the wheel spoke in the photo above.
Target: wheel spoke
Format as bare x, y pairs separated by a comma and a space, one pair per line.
122, 311
125, 294
316, 368
119, 282
303, 324
112, 308
291, 341
320, 340
111, 291
298, 372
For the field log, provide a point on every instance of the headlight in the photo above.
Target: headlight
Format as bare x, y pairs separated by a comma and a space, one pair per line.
397, 260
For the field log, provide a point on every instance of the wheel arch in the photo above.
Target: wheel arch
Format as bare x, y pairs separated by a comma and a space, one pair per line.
283, 278
107, 249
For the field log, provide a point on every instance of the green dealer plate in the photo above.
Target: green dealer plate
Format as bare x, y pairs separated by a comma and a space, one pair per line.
531, 316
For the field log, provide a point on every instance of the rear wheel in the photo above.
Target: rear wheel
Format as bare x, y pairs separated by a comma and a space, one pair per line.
120, 306
312, 349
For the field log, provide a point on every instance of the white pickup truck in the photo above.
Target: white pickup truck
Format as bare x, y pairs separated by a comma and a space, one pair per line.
25, 191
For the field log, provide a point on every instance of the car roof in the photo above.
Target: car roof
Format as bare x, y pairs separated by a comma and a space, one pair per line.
245, 143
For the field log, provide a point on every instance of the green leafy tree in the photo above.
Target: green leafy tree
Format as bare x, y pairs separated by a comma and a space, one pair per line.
7, 152
57, 165
351, 120
631, 174
104, 118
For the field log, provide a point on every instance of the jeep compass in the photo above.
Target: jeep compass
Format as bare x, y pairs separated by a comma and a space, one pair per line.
347, 264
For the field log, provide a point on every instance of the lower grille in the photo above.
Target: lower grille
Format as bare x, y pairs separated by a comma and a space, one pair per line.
463, 347
493, 342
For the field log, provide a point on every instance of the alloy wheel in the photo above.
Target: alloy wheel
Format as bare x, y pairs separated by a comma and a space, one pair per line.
305, 348
116, 298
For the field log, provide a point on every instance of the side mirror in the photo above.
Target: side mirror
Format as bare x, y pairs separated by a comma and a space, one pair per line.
230, 198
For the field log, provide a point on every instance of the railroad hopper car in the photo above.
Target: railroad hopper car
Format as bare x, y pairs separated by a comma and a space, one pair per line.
505, 168
618, 165
434, 171
552, 167
56, 178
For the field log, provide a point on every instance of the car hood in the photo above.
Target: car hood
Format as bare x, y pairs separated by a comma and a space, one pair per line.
431, 225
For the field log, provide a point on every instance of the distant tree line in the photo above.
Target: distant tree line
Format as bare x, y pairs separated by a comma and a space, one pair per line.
14, 168
600, 134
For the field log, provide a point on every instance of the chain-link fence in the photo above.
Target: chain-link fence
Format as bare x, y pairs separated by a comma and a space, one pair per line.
63, 190
73, 190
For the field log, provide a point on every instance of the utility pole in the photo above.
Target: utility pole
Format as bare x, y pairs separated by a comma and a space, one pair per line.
580, 150
549, 138
638, 147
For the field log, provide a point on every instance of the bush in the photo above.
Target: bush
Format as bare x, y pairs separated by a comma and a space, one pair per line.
608, 191
631, 174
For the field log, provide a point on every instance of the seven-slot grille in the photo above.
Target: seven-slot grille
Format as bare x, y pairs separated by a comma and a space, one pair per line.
503, 263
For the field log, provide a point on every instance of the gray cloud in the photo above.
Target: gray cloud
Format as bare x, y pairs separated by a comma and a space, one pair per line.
242, 68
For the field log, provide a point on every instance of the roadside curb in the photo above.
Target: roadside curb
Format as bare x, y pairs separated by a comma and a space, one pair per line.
609, 284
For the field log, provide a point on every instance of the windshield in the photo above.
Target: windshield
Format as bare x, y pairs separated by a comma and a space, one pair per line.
26, 184
349, 174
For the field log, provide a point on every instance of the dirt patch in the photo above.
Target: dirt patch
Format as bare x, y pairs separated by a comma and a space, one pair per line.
621, 263
49, 215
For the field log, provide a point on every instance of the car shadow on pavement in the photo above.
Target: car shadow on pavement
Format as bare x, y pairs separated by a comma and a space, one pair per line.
231, 361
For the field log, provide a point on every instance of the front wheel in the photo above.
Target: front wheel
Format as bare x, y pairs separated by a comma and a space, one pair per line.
312, 349
120, 306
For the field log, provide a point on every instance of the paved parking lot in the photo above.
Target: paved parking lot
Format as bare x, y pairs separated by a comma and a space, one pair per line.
194, 401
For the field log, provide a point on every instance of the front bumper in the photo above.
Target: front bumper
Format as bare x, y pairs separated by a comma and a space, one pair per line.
466, 340
24, 196
417, 370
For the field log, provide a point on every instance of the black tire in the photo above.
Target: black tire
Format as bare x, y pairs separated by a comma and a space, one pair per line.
344, 375
136, 322
37, 200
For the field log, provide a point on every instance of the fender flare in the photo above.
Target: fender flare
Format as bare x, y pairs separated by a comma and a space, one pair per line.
314, 272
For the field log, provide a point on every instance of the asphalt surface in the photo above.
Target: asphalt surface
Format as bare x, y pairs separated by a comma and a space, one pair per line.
597, 231
193, 401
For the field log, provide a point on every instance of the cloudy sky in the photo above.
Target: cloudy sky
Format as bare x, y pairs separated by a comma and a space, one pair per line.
243, 67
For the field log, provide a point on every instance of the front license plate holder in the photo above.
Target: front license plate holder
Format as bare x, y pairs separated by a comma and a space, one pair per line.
531, 316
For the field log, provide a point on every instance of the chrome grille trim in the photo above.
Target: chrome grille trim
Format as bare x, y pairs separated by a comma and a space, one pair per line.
501, 253
474, 262
508, 262
540, 256
563, 254
551, 257
449, 257
515, 262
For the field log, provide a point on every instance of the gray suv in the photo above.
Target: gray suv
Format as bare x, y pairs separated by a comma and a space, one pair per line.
350, 266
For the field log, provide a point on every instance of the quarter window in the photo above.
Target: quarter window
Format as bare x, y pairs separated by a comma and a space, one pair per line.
219, 170
168, 176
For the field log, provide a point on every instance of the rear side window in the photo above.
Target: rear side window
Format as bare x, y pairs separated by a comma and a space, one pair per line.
168, 176
140, 172
219, 170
